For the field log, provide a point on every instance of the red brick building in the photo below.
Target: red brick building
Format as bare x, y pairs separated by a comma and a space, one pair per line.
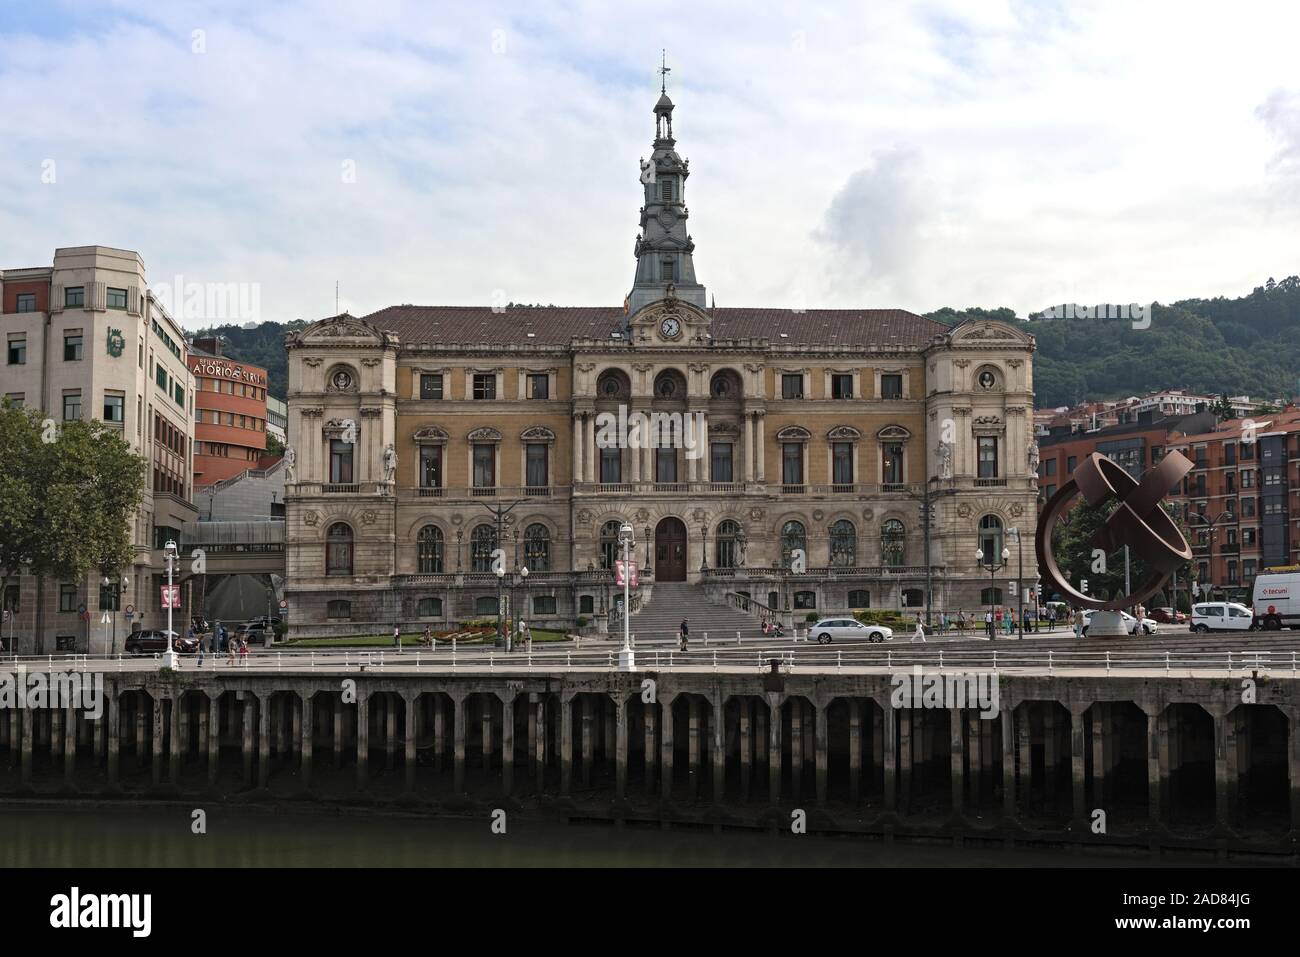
229, 413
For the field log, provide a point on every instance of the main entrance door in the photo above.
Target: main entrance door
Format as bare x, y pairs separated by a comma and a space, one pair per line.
670, 551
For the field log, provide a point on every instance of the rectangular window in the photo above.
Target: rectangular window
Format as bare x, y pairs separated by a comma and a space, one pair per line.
666, 271
340, 462
114, 408
72, 347
74, 296
17, 399
841, 386
67, 598
988, 456
611, 465
666, 190
18, 351
430, 385
160, 376
110, 597
1049, 467
485, 465
26, 302
891, 386
665, 465
71, 406
720, 462
842, 463
892, 463
116, 298
539, 386
485, 385
179, 395
543, 604
431, 466
1229, 454
1070, 463
535, 465
791, 385
791, 463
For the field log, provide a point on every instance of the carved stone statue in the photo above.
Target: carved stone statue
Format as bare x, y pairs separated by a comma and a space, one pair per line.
390, 463
945, 460
290, 464
1033, 458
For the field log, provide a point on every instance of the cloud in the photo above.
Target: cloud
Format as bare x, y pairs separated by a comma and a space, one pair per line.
1280, 114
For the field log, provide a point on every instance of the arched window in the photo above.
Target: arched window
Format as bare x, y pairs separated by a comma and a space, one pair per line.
481, 543
991, 539
428, 548
338, 608
793, 536
429, 608
613, 384
537, 548
859, 598
844, 544
609, 545
338, 549
728, 545
892, 540
670, 384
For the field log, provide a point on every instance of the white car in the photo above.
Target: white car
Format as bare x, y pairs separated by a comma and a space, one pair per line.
1222, 616
1147, 626
848, 629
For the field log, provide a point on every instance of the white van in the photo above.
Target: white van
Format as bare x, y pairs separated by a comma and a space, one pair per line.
1222, 616
1277, 599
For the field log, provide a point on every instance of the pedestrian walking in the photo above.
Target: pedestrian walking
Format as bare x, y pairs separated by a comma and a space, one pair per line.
1051, 619
243, 650
920, 630
1078, 622
428, 635
203, 644
525, 633
988, 625
397, 637
230, 649
683, 634
1009, 622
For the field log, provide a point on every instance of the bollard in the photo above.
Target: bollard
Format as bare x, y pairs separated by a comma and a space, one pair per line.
568, 659
839, 661
670, 658
491, 661
1167, 661
453, 654
737, 637
715, 660
889, 659
345, 659
1049, 661
995, 659
277, 660
1229, 662
417, 659
706, 639
1107, 662
609, 662
313, 658
941, 659
1293, 664
530, 655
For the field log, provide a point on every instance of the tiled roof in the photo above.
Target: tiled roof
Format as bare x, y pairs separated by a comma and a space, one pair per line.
556, 325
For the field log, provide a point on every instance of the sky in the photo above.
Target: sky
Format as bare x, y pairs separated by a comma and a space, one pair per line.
882, 155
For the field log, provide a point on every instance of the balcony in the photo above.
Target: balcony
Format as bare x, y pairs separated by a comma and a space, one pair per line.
990, 483
769, 573
494, 491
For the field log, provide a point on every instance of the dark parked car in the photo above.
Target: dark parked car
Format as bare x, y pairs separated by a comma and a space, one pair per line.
151, 641
1167, 616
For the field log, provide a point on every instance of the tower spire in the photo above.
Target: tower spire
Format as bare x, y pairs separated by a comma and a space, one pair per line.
664, 70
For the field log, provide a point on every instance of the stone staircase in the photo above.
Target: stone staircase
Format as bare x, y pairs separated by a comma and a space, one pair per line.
661, 617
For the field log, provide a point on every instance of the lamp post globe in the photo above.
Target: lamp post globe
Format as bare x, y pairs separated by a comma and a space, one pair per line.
170, 658
627, 657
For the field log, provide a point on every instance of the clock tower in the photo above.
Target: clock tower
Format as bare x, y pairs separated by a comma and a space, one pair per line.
663, 246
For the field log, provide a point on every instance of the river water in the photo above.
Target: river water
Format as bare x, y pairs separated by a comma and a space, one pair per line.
80, 836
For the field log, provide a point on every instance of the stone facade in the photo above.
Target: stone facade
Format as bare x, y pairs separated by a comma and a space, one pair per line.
808, 443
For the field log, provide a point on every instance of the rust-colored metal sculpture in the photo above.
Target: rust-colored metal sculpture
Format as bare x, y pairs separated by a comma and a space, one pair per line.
1138, 522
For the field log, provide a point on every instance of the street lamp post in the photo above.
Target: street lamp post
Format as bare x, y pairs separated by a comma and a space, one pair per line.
1223, 518
993, 568
170, 659
1020, 575
121, 586
627, 657
523, 575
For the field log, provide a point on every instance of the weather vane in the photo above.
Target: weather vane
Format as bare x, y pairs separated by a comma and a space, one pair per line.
664, 69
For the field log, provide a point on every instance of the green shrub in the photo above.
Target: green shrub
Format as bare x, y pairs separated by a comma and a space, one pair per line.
582, 621
811, 617
880, 616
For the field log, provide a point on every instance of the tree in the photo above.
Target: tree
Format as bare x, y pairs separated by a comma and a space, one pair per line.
273, 445
67, 500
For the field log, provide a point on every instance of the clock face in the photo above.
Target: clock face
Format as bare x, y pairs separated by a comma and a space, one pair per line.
670, 328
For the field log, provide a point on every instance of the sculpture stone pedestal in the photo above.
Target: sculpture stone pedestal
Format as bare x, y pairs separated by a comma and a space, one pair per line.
1107, 624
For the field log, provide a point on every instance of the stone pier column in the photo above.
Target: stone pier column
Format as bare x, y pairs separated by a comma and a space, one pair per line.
390, 729
532, 731
620, 747
1153, 764
1293, 765
1225, 747
293, 749
98, 736
1051, 753
796, 748
138, 706
566, 743
666, 749
1007, 720
185, 727
178, 707
263, 739
955, 721
746, 746
508, 742
905, 716
439, 731
213, 729
821, 715
889, 753
1099, 755
1024, 739
693, 744
1237, 755
485, 728
719, 746
308, 738
541, 743
159, 710
336, 738
459, 731
56, 735
774, 746
113, 734
651, 744
1077, 766
363, 738
975, 756
588, 719
248, 738
1164, 744
855, 749
69, 746
410, 705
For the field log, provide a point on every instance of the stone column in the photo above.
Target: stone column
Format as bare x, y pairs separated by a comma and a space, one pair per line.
620, 747
508, 741
746, 746
651, 749
1024, 738
719, 748
248, 738
411, 705
55, 719
905, 747
749, 447
541, 743
577, 448
566, 742
363, 738
584, 706
485, 728
1099, 768
760, 466
138, 705
1225, 757
774, 747
439, 731
1164, 744
1007, 719
178, 707
1153, 765
975, 756
389, 706
889, 753
666, 750
821, 716
693, 744
1077, 760
263, 739
70, 746
156, 768
1293, 766
214, 736
98, 736
590, 453
305, 747
459, 732
955, 720
1051, 753
113, 734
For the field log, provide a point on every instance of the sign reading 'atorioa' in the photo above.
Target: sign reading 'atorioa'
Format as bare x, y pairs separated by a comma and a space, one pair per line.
224, 370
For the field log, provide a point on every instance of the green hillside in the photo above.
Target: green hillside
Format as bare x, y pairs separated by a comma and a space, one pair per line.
261, 345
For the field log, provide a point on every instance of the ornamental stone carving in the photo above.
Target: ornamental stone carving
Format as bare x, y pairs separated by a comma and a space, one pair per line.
310, 517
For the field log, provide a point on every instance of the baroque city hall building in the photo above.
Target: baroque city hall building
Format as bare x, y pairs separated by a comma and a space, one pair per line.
805, 447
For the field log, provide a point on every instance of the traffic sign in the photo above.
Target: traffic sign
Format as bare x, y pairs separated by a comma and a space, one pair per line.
130, 610
284, 603
81, 609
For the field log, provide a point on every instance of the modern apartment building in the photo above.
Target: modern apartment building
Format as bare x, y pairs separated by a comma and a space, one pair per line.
84, 338
229, 413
